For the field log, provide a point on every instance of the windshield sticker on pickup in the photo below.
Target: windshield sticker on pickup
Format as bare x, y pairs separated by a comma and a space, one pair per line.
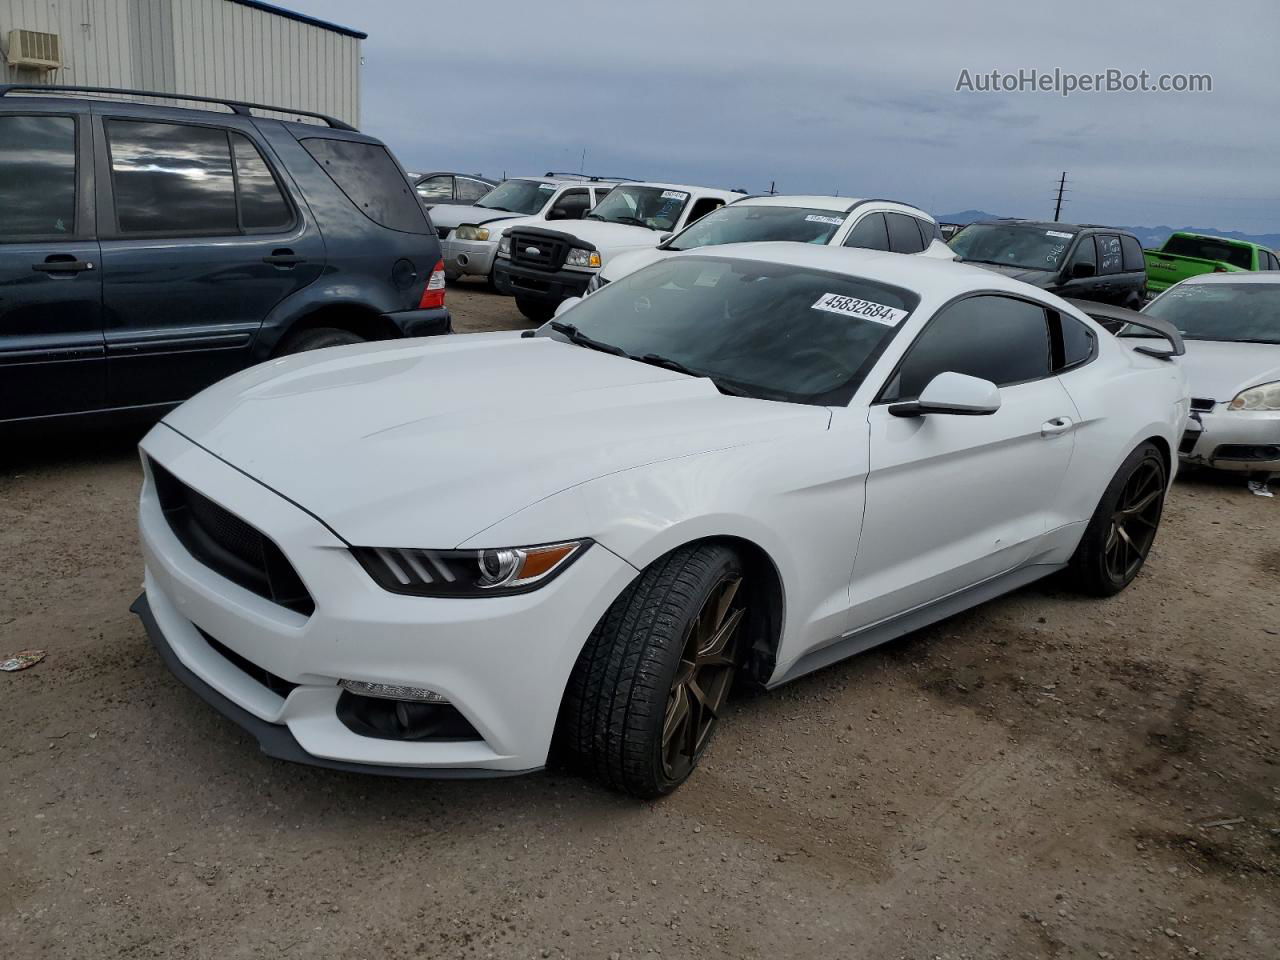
546, 186
814, 218
674, 195
1059, 234
864, 309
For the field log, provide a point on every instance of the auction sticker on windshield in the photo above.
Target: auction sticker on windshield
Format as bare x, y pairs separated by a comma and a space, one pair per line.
1059, 234
834, 221
674, 195
865, 309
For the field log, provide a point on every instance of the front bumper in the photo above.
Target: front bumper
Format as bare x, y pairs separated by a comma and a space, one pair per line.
544, 286
422, 323
503, 662
472, 258
1232, 440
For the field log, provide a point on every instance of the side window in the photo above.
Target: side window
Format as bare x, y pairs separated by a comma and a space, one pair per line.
904, 235
928, 232
471, 190
262, 205
1273, 261
1131, 252
1085, 252
702, 207
371, 180
1110, 259
601, 193
171, 178
869, 233
37, 177
570, 205
435, 189
999, 339
1077, 342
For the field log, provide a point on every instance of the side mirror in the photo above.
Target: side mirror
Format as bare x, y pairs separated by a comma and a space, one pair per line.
559, 213
566, 304
1081, 271
953, 393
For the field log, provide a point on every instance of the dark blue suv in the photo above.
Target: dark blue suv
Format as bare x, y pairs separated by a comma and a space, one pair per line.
147, 251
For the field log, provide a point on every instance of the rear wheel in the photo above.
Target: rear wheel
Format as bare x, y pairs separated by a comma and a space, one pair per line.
649, 687
536, 310
1119, 536
317, 338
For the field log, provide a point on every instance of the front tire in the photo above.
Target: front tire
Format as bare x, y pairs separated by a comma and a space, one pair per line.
647, 691
535, 310
1120, 533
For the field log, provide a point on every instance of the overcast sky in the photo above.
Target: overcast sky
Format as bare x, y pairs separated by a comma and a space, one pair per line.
833, 96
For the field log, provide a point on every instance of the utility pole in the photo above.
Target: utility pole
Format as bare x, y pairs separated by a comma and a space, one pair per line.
772, 185
1062, 186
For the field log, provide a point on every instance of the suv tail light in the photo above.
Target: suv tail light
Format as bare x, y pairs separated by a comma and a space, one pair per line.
433, 296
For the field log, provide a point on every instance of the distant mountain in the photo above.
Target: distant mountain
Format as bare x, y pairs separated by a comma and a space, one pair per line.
1147, 236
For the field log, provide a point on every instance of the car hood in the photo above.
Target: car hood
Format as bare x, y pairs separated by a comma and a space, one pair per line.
426, 443
606, 236
1218, 371
1037, 278
454, 215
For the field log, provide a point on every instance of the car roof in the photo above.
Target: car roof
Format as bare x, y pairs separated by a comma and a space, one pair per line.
1048, 225
730, 195
565, 181
819, 202
935, 277
1250, 276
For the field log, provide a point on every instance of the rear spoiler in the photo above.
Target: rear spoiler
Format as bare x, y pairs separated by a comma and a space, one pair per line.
1115, 319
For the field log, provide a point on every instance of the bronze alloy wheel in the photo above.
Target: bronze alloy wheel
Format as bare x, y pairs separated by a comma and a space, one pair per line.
1134, 521
703, 677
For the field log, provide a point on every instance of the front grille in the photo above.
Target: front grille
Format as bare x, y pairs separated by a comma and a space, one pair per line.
277, 685
538, 250
228, 545
1202, 404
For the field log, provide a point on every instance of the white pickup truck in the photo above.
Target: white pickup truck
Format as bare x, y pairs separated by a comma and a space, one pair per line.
469, 234
544, 264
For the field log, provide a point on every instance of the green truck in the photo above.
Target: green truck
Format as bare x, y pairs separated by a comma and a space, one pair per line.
1189, 254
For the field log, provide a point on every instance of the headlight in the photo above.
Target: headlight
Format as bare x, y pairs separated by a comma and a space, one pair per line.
1265, 396
504, 247
469, 232
468, 573
582, 258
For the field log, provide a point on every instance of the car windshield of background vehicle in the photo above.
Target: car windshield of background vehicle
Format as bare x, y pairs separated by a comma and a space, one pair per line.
1229, 312
772, 331
745, 224
657, 208
1206, 248
518, 196
1011, 245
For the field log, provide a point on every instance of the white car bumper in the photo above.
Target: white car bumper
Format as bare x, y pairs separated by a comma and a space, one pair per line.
502, 662
1233, 440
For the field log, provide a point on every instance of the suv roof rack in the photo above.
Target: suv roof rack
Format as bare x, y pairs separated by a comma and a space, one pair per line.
243, 108
588, 177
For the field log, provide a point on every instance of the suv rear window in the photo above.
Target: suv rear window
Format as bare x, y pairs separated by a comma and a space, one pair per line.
1207, 248
37, 177
371, 180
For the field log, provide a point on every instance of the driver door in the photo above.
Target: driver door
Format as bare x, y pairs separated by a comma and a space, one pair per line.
954, 500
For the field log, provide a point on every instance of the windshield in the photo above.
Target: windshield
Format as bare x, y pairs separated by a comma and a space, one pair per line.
654, 207
1231, 312
1207, 248
518, 196
767, 330
1013, 245
744, 224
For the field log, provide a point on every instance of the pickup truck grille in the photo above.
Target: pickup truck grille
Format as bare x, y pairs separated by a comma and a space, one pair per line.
538, 250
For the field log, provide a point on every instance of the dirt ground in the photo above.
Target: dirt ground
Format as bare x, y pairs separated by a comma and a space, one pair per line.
1045, 776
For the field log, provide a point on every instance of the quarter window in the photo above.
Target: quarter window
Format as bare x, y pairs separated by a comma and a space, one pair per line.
1077, 342
904, 235
999, 339
1131, 252
372, 181
470, 190
869, 233
37, 177
171, 178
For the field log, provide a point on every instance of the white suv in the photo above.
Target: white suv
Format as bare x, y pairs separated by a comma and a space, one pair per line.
543, 265
469, 234
829, 221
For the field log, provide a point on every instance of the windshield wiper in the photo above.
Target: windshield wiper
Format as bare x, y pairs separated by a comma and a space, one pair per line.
579, 338
658, 360
623, 219
593, 216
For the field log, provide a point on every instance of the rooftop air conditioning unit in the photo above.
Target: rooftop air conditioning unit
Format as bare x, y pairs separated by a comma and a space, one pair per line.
28, 48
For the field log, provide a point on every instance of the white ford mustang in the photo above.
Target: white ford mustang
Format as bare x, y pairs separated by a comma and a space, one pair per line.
460, 556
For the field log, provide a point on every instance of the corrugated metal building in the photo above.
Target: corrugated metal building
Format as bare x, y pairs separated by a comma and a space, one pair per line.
239, 49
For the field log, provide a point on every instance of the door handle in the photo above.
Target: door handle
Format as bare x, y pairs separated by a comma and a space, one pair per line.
283, 257
1056, 427
62, 264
